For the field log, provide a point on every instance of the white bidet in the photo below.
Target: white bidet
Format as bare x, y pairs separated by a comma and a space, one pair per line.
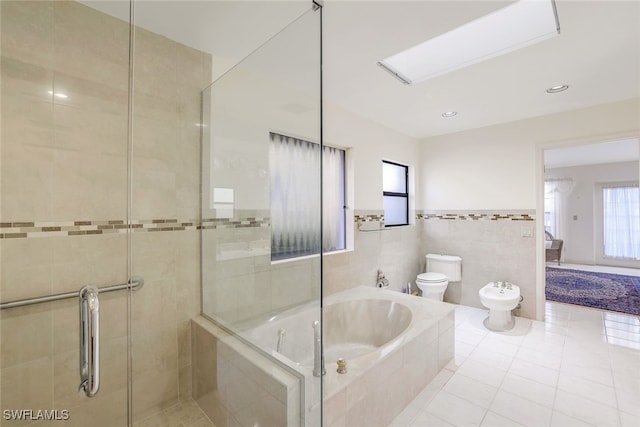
500, 298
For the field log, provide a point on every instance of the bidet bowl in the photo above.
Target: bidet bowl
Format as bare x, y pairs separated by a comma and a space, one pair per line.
497, 296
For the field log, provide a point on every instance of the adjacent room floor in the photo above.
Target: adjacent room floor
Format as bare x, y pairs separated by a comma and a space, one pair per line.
579, 368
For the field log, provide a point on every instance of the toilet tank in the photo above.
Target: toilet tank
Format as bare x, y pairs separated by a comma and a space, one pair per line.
449, 265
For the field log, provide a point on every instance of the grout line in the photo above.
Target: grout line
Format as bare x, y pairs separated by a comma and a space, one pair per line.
575, 316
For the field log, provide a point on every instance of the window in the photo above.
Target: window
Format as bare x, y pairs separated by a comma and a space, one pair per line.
395, 193
550, 214
556, 191
294, 167
621, 220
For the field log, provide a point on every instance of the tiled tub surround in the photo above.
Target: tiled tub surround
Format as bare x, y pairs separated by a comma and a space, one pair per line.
235, 385
503, 248
378, 385
380, 381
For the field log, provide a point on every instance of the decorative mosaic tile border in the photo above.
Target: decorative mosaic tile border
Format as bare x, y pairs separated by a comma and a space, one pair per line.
455, 215
249, 222
368, 217
478, 216
21, 230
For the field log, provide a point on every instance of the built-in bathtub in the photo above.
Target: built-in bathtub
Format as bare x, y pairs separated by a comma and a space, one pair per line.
393, 344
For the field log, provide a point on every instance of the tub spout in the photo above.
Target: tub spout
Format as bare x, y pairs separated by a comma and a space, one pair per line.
318, 360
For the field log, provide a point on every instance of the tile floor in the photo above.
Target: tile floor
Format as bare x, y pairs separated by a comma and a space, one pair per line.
579, 368
185, 413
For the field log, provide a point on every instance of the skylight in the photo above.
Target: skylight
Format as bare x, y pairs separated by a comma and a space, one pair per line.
518, 25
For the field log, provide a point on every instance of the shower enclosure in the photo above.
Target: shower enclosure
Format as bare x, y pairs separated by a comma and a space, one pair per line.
135, 201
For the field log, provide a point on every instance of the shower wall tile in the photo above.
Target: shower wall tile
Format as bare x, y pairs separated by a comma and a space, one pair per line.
27, 173
27, 106
64, 206
107, 411
91, 45
26, 268
26, 335
96, 132
169, 262
165, 184
113, 378
26, 31
82, 260
23, 385
61, 154
79, 182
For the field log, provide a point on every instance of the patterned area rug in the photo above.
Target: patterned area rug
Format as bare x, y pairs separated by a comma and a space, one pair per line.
598, 290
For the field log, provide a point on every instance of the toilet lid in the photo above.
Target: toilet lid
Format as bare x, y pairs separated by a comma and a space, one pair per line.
431, 277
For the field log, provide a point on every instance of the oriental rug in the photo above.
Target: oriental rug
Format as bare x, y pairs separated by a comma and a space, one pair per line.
606, 291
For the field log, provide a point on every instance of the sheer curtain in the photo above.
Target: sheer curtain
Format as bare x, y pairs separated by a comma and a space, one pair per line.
333, 202
294, 166
555, 194
621, 220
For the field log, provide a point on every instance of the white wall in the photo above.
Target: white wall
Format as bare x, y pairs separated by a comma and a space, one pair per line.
370, 143
396, 251
578, 235
495, 167
500, 168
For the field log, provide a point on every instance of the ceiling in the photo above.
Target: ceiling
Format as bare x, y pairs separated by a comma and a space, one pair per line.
597, 54
625, 150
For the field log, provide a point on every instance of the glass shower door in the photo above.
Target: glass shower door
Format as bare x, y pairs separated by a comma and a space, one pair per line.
63, 208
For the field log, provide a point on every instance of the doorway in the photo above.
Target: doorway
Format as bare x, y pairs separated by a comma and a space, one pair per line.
591, 213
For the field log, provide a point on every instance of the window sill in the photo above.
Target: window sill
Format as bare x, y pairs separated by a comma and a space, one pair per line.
308, 257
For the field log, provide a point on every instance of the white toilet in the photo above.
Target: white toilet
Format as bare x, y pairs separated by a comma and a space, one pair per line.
440, 270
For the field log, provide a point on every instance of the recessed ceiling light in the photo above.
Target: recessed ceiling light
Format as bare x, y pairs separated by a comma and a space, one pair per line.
556, 89
520, 24
449, 114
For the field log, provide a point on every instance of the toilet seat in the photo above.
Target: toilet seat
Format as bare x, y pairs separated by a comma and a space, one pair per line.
431, 278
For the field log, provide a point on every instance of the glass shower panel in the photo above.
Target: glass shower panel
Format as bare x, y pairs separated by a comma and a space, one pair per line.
268, 306
63, 176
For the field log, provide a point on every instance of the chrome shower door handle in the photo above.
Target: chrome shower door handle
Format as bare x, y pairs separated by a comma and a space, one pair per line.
89, 341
